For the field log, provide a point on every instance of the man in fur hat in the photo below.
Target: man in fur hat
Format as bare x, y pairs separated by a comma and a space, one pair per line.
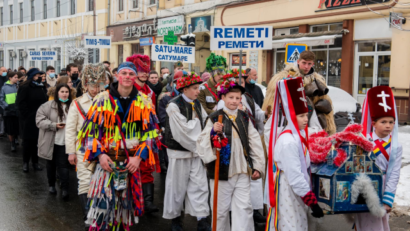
315, 88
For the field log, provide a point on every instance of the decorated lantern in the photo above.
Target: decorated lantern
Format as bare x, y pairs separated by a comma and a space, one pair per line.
345, 177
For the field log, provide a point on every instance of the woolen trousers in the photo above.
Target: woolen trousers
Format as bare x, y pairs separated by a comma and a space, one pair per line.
30, 151
58, 163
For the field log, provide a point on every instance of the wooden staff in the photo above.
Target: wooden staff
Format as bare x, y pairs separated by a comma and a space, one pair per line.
216, 181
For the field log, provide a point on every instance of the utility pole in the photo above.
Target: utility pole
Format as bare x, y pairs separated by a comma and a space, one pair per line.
95, 31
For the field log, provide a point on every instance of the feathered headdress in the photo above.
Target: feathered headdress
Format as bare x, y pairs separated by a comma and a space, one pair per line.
142, 62
93, 73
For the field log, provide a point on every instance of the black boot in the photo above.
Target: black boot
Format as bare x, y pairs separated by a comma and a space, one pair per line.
203, 225
65, 195
37, 167
164, 167
25, 167
85, 206
13, 146
176, 224
162, 164
52, 190
258, 218
148, 191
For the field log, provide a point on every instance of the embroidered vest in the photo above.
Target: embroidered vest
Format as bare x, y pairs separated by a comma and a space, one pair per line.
242, 123
186, 110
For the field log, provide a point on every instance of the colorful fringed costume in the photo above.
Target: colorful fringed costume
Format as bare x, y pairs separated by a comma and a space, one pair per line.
116, 198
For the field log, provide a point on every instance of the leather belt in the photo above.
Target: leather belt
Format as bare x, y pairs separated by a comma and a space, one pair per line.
122, 156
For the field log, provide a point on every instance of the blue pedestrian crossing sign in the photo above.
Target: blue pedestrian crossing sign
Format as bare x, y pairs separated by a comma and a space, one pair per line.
293, 52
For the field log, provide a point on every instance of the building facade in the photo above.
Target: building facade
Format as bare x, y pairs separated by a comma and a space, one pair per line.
28, 25
355, 44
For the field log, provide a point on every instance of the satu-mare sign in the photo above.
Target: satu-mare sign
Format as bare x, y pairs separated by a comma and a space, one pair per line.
42, 55
241, 38
168, 53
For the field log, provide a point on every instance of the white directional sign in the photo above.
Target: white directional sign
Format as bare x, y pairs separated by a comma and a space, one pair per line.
169, 53
97, 41
42, 55
241, 38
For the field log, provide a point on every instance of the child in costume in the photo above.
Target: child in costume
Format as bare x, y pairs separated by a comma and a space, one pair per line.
379, 120
241, 158
120, 130
290, 192
186, 177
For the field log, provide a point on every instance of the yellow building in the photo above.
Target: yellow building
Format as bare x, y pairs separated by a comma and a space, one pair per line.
355, 45
35, 25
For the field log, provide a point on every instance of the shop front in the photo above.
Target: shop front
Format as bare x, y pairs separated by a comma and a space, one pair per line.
355, 48
131, 38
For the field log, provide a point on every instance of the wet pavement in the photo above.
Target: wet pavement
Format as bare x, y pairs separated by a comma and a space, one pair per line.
25, 203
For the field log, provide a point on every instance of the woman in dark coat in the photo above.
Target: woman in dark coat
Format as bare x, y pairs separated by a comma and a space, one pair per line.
30, 96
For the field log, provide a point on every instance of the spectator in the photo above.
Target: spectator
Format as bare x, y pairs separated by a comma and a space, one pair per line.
51, 119
21, 79
73, 72
63, 72
3, 79
108, 79
8, 104
114, 74
251, 88
51, 76
22, 70
178, 66
163, 71
205, 76
44, 79
30, 96
62, 80
154, 84
107, 64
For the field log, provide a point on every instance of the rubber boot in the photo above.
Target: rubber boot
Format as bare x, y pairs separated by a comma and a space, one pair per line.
176, 224
85, 206
148, 191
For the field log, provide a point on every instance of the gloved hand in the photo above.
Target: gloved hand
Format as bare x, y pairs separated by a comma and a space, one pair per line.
317, 211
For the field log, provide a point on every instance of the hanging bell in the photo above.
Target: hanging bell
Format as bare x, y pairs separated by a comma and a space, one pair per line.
323, 90
311, 89
323, 106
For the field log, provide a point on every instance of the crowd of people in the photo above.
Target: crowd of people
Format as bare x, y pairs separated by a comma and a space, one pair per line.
118, 126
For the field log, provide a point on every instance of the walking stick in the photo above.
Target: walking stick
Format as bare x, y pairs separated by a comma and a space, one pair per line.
215, 207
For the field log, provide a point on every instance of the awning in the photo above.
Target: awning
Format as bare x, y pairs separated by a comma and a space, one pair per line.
310, 39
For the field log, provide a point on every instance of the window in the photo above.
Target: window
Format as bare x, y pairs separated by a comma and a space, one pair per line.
21, 59
43, 63
134, 3
90, 5
11, 14
1, 16
58, 8
120, 54
93, 55
57, 63
11, 60
32, 63
72, 7
1, 58
120, 5
33, 15
21, 12
137, 49
329, 57
152, 2
45, 9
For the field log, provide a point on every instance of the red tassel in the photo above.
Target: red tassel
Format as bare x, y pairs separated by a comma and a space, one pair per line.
340, 158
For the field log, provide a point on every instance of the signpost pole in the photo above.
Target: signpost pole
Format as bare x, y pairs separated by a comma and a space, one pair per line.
240, 67
189, 32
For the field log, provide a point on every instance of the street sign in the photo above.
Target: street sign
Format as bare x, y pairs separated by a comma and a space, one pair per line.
170, 38
293, 52
241, 38
42, 55
97, 41
147, 41
175, 24
169, 53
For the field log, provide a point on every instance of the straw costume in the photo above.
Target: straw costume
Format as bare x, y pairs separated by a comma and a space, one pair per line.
380, 103
241, 154
186, 176
120, 127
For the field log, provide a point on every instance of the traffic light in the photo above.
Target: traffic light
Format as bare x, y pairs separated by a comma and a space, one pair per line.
189, 39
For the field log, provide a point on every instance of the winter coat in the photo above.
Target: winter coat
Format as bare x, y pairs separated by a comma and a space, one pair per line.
256, 92
162, 107
29, 98
2, 81
46, 121
270, 92
8, 96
